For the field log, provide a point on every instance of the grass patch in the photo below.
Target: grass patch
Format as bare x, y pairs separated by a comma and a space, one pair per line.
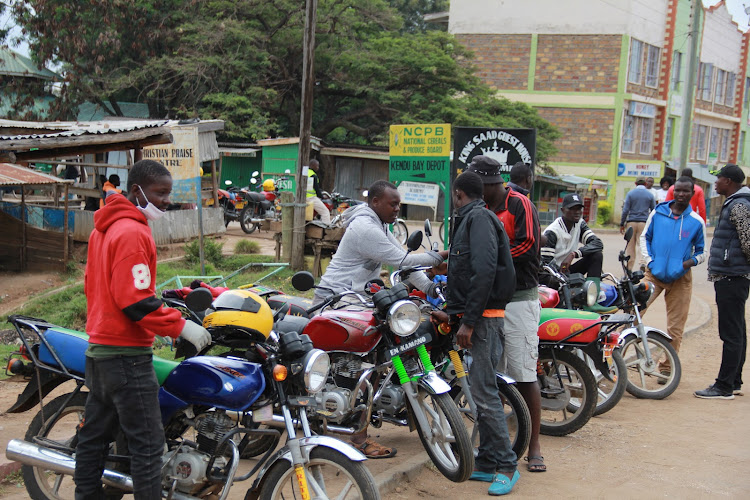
67, 308
247, 247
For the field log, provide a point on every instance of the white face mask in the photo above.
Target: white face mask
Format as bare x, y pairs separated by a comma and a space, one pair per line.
149, 211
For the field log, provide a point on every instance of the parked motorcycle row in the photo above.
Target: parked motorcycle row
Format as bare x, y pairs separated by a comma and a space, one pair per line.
277, 366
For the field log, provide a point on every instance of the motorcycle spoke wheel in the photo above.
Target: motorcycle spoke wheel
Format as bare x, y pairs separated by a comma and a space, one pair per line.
610, 387
568, 381
43, 484
446, 440
649, 380
330, 474
517, 417
400, 232
246, 222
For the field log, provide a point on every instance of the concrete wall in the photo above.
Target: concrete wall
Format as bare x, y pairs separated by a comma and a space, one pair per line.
722, 40
642, 19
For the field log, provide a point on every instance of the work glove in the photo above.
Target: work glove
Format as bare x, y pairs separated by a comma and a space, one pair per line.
420, 281
196, 335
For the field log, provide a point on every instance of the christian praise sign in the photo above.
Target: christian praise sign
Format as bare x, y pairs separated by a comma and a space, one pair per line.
506, 145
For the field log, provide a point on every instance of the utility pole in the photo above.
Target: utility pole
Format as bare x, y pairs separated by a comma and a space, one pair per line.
297, 260
690, 90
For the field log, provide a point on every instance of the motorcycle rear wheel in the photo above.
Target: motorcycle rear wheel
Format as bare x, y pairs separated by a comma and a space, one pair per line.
246, 220
577, 383
450, 448
643, 380
517, 417
42, 484
610, 389
330, 474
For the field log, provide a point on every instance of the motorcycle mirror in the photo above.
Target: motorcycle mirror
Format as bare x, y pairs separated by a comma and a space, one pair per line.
629, 233
227, 182
303, 281
427, 228
199, 299
414, 241
255, 174
253, 181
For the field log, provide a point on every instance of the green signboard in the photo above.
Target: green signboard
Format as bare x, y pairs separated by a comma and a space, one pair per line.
421, 153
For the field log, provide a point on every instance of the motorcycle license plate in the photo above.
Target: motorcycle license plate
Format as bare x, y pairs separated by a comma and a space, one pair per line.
240, 205
409, 345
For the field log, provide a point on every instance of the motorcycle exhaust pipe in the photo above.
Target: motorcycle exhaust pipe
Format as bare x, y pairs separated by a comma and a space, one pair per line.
39, 456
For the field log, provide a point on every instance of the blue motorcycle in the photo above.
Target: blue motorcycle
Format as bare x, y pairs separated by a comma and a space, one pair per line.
210, 406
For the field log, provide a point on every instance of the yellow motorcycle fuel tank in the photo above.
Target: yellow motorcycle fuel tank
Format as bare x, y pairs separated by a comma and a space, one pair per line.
242, 309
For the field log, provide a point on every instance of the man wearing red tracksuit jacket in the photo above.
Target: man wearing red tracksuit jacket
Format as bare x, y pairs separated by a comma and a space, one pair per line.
521, 350
123, 316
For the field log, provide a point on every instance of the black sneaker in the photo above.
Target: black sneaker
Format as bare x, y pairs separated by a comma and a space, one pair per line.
711, 392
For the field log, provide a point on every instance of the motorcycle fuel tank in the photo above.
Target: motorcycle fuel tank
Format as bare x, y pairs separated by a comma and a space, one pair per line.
226, 383
343, 331
556, 324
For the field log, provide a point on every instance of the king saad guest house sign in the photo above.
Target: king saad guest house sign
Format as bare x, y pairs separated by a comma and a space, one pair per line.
507, 146
181, 159
420, 156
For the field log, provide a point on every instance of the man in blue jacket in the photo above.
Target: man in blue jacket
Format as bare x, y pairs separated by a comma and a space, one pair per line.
672, 242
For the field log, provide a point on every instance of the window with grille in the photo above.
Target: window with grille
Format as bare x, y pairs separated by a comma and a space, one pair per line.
720, 86
652, 66
628, 134
635, 65
644, 147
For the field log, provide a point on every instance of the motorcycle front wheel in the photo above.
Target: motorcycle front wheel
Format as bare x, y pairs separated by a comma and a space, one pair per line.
400, 232
246, 216
647, 380
568, 379
517, 417
330, 474
447, 441
43, 484
610, 387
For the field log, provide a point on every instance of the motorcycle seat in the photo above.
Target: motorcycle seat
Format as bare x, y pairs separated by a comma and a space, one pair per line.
69, 346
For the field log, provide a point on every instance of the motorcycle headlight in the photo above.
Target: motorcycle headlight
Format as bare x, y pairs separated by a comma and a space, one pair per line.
315, 373
404, 318
592, 295
643, 292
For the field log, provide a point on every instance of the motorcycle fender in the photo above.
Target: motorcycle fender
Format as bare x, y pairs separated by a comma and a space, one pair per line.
632, 332
434, 384
30, 396
503, 379
307, 444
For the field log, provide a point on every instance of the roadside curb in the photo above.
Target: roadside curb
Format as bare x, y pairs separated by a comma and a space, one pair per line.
704, 317
387, 481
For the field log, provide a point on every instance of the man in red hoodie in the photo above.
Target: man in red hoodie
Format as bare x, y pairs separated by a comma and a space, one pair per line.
123, 316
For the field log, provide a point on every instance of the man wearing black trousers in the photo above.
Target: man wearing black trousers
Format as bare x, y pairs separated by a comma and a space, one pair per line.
729, 269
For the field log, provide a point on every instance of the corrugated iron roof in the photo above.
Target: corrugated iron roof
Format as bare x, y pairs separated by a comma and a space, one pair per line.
16, 175
14, 64
69, 129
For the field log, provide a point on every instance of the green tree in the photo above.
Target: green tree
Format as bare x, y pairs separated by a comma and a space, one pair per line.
240, 61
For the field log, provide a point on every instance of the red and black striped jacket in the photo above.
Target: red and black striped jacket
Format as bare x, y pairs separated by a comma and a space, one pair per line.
521, 222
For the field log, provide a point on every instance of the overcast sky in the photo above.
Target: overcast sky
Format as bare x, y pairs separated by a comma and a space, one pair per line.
736, 8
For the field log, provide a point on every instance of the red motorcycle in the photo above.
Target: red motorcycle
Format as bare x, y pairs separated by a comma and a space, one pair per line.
232, 200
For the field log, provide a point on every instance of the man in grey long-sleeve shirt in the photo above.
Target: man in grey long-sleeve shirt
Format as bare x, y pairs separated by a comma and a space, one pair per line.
639, 202
366, 245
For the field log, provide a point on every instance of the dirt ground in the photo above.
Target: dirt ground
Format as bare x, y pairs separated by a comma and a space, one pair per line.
681, 447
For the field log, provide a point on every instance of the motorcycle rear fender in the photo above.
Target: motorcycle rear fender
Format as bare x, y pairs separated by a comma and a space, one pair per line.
632, 331
434, 384
307, 444
30, 396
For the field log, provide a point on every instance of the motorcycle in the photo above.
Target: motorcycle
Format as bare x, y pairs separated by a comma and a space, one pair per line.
232, 200
337, 204
599, 351
642, 346
382, 371
207, 404
261, 205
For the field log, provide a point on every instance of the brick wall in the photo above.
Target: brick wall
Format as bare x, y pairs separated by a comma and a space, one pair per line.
586, 133
633, 88
577, 63
502, 61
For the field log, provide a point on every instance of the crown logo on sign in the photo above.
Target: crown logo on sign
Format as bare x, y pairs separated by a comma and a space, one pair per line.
501, 155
